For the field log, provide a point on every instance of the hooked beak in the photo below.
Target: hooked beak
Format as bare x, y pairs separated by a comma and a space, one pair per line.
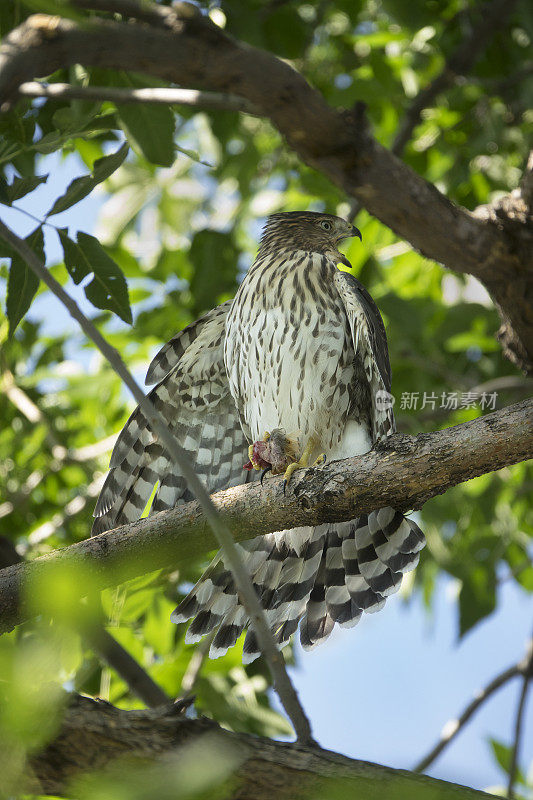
352, 231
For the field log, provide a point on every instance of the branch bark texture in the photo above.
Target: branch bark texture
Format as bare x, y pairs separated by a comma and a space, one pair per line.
404, 473
182, 46
93, 735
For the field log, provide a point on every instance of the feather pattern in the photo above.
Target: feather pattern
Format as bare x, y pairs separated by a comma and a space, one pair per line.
193, 396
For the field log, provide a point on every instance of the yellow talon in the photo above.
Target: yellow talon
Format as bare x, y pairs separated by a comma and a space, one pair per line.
303, 462
252, 459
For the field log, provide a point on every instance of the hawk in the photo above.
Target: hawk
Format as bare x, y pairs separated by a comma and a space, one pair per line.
296, 366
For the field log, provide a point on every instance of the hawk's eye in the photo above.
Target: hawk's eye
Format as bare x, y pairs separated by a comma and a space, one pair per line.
326, 225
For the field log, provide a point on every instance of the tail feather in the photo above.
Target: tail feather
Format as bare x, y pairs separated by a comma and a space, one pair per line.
307, 577
229, 631
341, 606
316, 624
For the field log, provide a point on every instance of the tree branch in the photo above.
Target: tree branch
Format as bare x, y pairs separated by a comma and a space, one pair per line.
454, 726
404, 473
214, 101
117, 657
274, 658
527, 672
183, 47
513, 769
93, 735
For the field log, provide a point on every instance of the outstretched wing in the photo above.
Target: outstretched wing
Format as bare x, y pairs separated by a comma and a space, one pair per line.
192, 394
370, 346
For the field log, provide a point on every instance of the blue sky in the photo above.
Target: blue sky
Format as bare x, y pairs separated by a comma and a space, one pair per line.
384, 690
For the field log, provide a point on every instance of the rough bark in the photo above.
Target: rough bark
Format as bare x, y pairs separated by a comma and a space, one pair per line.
404, 473
180, 45
93, 735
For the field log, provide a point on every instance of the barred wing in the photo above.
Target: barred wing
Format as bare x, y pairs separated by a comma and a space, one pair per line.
370, 346
192, 395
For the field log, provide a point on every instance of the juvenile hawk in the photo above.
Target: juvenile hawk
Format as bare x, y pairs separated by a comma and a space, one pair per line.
301, 349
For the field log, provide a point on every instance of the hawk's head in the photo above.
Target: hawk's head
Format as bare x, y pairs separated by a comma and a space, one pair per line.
307, 230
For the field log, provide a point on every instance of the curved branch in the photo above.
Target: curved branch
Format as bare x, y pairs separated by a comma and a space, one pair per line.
404, 473
453, 726
93, 735
183, 47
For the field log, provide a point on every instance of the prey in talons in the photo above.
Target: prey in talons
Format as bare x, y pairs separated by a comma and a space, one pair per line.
277, 452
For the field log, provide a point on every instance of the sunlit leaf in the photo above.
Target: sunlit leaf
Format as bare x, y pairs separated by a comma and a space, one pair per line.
503, 755
108, 288
149, 127
23, 282
82, 186
23, 186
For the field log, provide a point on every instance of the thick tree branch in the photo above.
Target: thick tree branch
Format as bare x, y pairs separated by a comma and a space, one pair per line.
93, 735
183, 47
274, 658
404, 473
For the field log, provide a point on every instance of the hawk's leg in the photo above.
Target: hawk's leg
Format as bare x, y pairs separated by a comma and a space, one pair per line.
303, 462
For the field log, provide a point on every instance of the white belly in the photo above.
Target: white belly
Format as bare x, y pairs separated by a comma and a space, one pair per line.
291, 377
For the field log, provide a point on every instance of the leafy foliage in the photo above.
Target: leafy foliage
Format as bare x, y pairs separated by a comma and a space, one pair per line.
181, 237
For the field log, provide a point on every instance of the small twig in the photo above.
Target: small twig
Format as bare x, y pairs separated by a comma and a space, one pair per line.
459, 62
194, 666
116, 657
215, 101
269, 649
452, 728
513, 767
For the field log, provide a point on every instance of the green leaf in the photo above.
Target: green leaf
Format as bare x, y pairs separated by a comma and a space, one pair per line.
149, 128
215, 259
23, 186
193, 155
502, 754
82, 186
77, 265
477, 598
107, 165
108, 288
22, 283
